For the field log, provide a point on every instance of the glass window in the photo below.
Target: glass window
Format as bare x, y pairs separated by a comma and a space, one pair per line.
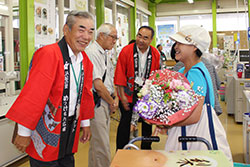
16, 27
232, 21
144, 20
200, 20
108, 12
2, 43
138, 21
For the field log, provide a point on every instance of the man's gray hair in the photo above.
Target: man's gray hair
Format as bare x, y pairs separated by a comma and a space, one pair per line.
105, 28
70, 20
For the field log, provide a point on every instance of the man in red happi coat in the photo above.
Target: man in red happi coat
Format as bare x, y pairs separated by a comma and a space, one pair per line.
135, 63
57, 99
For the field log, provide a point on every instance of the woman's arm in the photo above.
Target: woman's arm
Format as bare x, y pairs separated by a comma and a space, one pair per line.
195, 115
192, 119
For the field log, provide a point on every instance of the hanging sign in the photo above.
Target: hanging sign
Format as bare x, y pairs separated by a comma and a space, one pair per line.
81, 5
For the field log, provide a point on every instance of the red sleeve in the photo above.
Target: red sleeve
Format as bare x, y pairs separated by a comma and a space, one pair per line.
29, 106
87, 102
120, 71
157, 56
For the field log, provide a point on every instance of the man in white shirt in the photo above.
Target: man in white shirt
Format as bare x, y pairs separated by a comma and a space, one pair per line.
106, 100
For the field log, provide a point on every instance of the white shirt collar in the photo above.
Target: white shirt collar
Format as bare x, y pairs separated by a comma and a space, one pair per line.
145, 53
77, 58
99, 47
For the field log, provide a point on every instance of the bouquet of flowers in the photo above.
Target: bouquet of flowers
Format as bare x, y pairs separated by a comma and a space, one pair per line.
166, 98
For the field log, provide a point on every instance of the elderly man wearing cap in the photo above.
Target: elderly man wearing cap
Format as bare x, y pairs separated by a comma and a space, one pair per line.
191, 42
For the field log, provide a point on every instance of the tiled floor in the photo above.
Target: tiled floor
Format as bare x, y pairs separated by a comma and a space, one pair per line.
234, 135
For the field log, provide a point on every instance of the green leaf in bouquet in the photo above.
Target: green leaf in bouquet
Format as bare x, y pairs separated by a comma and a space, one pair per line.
168, 84
157, 76
163, 86
178, 87
166, 97
182, 87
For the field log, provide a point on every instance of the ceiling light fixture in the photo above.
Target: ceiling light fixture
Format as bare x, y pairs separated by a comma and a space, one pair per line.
190, 1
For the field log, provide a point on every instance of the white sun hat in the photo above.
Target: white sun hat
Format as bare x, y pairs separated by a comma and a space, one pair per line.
193, 35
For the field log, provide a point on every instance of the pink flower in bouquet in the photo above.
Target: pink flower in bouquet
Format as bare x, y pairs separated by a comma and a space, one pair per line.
178, 84
175, 84
186, 86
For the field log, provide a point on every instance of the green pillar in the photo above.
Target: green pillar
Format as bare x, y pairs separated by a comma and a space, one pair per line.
133, 21
214, 24
100, 18
152, 18
27, 36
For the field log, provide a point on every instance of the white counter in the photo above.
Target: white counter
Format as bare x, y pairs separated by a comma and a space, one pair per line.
8, 151
6, 103
240, 84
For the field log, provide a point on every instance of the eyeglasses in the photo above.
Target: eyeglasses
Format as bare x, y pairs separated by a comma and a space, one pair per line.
114, 37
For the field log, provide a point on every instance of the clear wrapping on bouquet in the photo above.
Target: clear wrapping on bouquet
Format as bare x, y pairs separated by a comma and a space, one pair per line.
166, 98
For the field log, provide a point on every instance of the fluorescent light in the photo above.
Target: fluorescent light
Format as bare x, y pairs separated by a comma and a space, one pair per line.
190, 1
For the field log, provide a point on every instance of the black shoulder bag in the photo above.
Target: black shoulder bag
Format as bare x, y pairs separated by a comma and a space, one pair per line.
97, 98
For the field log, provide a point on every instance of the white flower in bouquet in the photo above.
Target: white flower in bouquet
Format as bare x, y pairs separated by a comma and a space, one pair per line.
145, 89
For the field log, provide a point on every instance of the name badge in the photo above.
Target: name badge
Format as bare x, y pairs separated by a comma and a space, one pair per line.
139, 81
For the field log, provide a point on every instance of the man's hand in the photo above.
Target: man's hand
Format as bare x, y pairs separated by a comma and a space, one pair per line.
116, 101
125, 103
132, 128
114, 107
86, 134
22, 142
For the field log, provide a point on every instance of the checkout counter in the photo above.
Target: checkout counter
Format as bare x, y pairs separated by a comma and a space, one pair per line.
8, 151
240, 85
234, 95
229, 98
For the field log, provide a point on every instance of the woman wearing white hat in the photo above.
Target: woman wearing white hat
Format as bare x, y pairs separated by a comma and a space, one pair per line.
191, 42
